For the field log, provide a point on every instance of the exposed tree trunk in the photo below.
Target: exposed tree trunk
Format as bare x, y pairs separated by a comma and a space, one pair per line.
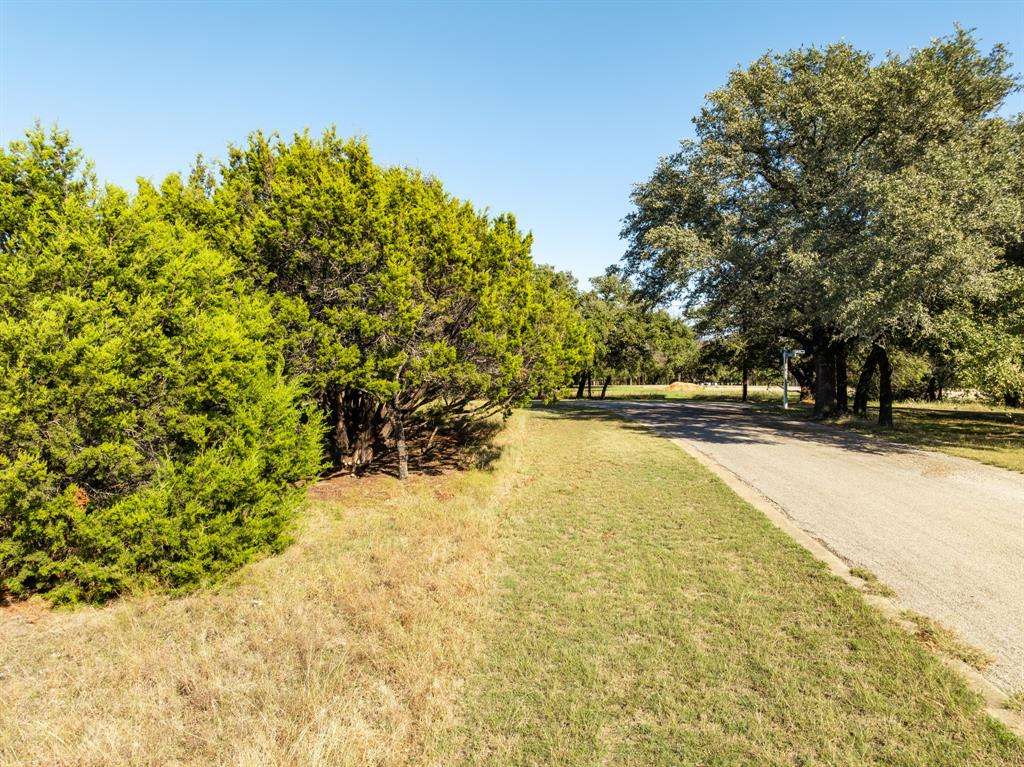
825, 377
803, 372
932, 385
746, 377
335, 438
583, 382
590, 385
398, 428
607, 380
359, 427
860, 397
842, 384
884, 388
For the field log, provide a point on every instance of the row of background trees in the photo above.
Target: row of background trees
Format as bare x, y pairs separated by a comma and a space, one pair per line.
637, 343
174, 363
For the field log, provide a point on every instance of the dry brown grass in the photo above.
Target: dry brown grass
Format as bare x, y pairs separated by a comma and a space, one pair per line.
946, 642
344, 650
1016, 702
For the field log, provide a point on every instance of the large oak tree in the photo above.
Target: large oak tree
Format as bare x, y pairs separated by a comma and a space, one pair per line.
830, 199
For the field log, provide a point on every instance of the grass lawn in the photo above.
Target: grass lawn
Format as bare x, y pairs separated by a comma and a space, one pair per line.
989, 434
769, 394
648, 616
596, 597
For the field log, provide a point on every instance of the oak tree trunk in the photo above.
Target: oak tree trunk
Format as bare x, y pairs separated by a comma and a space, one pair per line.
842, 392
803, 372
746, 377
884, 389
825, 377
860, 397
607, 380
583, 382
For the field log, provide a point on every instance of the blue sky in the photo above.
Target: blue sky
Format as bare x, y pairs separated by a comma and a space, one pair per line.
551, 111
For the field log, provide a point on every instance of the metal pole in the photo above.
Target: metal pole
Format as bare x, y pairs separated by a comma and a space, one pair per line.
785, 380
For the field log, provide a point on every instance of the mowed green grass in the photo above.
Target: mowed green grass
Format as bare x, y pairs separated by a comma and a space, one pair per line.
645, 615
991, 436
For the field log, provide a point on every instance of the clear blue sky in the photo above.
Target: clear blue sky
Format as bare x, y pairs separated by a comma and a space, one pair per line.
550, 111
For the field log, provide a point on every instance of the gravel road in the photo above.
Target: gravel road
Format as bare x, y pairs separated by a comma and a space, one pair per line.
946, 533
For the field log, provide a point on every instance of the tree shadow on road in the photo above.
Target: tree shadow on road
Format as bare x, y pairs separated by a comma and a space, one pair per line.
724, 423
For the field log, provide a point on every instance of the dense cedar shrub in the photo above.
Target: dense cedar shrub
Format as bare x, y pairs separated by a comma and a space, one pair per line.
173, 362
147, 432
406, 310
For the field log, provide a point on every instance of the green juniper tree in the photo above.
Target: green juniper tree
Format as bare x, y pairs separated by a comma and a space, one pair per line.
405, 310
157, 350
147, 434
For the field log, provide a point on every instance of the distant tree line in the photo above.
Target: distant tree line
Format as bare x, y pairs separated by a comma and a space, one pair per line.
862, 211
175, 362
632, 343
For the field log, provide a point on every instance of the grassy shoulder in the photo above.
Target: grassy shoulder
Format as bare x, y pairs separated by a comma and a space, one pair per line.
594, 597
647, 615
982, 433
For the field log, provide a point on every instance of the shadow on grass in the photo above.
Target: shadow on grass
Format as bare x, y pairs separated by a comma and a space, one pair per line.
471, 446
723, 422
995, 416
987, 432
994, 438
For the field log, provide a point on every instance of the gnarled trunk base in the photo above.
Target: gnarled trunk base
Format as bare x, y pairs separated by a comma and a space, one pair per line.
359, 429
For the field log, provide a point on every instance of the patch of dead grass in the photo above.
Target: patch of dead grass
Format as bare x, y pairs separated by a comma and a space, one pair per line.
684, 386
944, 640
1016, 702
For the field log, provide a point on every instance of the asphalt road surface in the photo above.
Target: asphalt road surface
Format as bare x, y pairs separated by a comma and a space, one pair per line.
946, 533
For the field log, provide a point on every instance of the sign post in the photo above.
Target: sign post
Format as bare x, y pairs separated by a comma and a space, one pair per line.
786, 354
